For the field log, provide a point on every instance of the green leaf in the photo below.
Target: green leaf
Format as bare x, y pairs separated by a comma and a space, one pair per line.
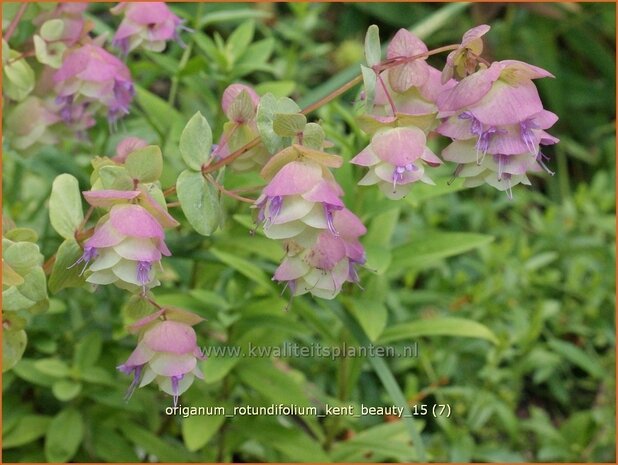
52, 367
437, 327
276, 88
66, 389
115, 178
267, 109
373, 51
289, 124
145, 164
577, 357
258, 52
383, 442
241, 108
271, 382
423, 192
244, 267
430, 247
240, 39
64, 274
64, 436
195, 142
13, 346
88, 351
65, 205
199, 201
112, 447
313, 136
52, 29
22, 257
386, 377
216, 368
161, 115
28, 428
152, 444
370, 81
198, 429
19, 77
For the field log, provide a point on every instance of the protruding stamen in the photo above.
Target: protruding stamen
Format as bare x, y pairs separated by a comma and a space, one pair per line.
143, 273
175, 380
527, 135
89, 254
540, 159
328, 212
476, 127
274, 208
137, 373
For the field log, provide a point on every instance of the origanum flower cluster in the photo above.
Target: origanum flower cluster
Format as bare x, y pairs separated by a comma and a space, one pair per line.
302, 206
79, 78
493, 115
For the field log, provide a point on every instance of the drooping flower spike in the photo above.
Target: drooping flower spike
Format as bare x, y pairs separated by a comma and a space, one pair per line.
496, 115
149, 25
302, 206
167, 352
90, 75
127, 244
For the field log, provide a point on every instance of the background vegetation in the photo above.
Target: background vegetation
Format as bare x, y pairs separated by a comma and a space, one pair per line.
537, 386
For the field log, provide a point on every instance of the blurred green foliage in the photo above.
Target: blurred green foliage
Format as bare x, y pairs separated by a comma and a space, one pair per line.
543, 288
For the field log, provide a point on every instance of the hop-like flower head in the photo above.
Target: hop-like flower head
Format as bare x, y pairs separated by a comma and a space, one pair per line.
302, 195
89, 74
126, 245
146, 24
167, 352
496, 113
323, 267
396, 158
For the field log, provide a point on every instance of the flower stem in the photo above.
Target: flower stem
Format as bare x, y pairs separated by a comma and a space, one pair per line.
224, 191
209, 168
15, 21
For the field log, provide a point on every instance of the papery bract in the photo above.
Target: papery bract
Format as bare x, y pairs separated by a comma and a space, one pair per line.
396, 158
498, 113
90, 74
147, 24
126, 244
167, 352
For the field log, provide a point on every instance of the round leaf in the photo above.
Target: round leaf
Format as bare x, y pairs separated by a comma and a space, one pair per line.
13, 346
64, 436
195, 142
199, 202
65, 205
146, 164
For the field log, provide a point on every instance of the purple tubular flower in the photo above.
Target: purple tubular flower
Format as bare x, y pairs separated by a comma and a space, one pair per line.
89, 254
